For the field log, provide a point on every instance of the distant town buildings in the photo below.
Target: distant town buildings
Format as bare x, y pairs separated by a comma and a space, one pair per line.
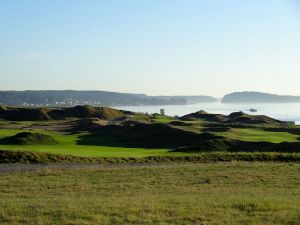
65, 102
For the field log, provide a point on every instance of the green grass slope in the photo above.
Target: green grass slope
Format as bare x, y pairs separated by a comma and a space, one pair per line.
134, 143
250, 134
67, 145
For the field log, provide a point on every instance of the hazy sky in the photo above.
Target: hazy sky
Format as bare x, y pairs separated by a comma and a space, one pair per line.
151, 46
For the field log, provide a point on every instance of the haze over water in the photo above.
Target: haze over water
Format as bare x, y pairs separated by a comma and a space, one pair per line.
286, 112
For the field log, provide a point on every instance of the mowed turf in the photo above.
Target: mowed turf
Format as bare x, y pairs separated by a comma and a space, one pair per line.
67, 143
244, 134
162, 119
67, 146
180, 194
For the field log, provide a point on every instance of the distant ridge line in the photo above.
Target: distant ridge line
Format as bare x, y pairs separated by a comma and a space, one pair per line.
258, 97
99, 98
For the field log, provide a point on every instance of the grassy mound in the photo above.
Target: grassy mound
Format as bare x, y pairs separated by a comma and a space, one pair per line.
87, 124
221, 145
241, 117
24, 114
204, 116
41, 114
28, 138
233, 118
210, 145
2, 107
155, 135
86, 111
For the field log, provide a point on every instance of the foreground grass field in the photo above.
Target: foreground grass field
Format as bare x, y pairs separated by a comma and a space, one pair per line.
219, 193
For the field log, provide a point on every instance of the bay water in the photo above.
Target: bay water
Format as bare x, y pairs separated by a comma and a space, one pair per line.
285, 112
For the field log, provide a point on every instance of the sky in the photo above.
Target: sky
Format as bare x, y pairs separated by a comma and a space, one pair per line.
157, 47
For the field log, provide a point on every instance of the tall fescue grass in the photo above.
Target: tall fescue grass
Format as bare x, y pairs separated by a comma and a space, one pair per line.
40, 157
182, 194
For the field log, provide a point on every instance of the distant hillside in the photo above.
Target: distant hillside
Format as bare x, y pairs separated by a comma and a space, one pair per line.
97, 98
258, 97
72, 98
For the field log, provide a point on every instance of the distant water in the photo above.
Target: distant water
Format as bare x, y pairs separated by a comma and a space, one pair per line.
286, 112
